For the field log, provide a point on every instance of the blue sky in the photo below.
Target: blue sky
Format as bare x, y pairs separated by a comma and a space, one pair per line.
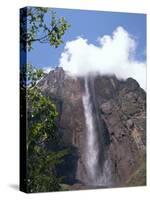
91, 25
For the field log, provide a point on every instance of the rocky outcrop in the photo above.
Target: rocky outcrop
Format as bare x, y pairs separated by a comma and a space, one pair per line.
122, 108
119, 111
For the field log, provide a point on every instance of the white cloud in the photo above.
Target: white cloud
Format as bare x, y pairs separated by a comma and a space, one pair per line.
113, 55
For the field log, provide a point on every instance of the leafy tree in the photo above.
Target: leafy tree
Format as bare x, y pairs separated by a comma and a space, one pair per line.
44, 154
29, 76
35, 28
42, 159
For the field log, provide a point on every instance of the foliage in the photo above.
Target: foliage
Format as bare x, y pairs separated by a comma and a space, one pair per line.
35, 28
42, 160
29, 76
44, 152
42, 137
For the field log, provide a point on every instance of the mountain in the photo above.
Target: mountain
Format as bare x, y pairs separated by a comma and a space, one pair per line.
104, 120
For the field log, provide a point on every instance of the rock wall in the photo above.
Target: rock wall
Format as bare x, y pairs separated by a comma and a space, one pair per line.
119, 110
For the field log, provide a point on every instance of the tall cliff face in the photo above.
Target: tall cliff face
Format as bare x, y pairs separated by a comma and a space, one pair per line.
119, 117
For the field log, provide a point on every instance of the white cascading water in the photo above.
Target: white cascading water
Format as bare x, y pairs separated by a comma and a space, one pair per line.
95, 178
91, 156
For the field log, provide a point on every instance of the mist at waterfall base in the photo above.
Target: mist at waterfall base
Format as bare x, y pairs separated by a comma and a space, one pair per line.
114, 55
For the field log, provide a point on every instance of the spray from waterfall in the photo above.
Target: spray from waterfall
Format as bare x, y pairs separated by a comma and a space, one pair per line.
91, 140
95, 176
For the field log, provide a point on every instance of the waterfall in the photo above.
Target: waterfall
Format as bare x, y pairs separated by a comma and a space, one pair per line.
91, 157
97, 175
